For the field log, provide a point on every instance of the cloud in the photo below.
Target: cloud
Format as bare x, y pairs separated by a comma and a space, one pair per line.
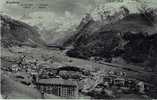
51, 19
52, 26
61, 15
76, 7
57, 6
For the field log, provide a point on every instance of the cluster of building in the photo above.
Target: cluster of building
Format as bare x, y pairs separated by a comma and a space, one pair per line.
105, 85
69, 81
48, 78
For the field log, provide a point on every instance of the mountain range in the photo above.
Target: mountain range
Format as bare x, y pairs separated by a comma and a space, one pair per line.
132, 38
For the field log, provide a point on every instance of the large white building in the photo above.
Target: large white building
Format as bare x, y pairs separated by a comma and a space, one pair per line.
59, 87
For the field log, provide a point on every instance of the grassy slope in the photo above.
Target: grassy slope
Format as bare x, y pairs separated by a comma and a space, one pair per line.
15, 90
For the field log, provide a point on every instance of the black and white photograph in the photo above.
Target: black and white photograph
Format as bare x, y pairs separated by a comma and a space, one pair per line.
78, 49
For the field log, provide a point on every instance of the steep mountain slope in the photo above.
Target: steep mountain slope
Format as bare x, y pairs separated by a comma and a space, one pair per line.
15, 32
132, 38
133, 23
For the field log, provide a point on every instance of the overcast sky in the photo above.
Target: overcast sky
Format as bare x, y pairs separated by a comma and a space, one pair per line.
61, 15
64, 8
76, 7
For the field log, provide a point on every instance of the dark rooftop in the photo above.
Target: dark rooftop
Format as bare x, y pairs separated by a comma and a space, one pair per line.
58, 81
70, 68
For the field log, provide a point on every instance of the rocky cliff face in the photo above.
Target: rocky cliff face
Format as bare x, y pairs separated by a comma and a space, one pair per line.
133, 38
15, 32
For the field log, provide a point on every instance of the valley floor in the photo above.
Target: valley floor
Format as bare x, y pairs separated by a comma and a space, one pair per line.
132, 72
